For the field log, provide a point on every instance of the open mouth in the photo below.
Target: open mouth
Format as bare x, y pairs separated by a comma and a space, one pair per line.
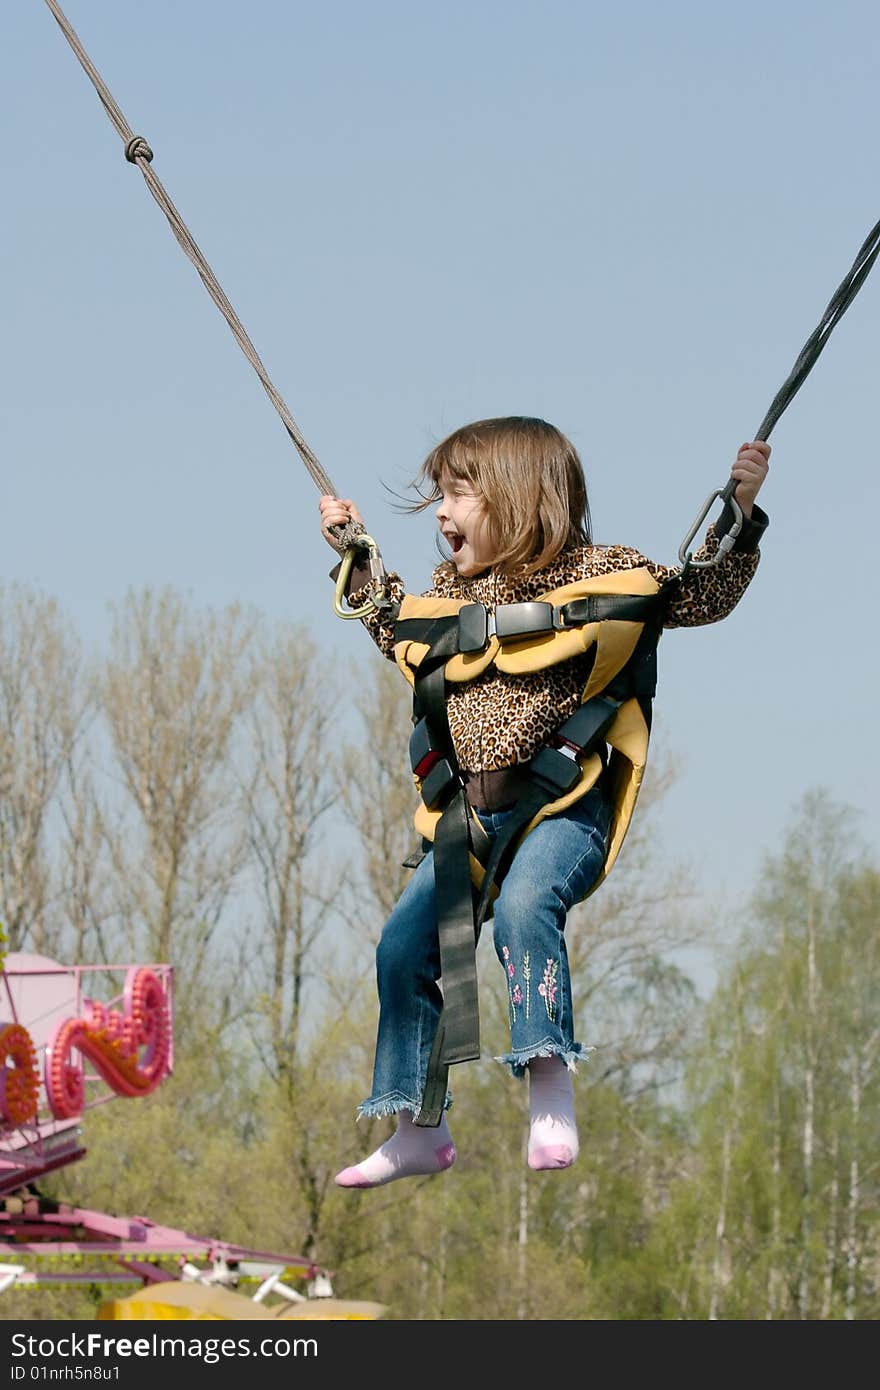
456, 541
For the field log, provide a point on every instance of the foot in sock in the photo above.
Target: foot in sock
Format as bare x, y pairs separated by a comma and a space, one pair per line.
553, 1136
413, 1151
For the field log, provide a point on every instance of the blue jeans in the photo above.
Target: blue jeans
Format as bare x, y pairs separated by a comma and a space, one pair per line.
555, 867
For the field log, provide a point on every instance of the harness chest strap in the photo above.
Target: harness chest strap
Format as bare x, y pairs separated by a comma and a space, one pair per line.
612, 618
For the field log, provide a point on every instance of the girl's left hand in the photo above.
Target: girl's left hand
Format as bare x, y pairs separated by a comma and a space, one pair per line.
750, 468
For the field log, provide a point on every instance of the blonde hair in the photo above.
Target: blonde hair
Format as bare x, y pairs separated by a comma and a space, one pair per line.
532, 483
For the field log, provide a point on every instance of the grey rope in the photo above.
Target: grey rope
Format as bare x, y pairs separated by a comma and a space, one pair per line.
837, 307
806, 360
138, 152
839, 303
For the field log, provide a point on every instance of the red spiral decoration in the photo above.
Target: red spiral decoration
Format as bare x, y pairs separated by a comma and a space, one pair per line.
20, 1083
129, 1050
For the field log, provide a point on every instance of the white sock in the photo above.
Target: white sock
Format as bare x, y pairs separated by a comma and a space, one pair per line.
414, 1150
553, 1136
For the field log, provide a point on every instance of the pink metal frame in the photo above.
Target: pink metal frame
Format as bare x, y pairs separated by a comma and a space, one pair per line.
99, 1050
44, 1229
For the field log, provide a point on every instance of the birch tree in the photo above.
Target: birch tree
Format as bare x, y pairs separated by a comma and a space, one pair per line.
796, 1180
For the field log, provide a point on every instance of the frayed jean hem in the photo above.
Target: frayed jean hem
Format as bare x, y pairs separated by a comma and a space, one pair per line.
391, 1104
518, 1061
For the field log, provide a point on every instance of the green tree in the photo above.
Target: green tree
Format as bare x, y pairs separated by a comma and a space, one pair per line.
785, 1092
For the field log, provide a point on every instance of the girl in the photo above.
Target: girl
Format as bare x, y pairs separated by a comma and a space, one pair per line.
512, 510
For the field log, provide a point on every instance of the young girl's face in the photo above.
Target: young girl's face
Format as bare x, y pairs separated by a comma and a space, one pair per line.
462, 518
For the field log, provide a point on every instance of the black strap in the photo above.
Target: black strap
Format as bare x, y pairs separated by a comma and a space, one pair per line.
457, 1037
638, 678
455, 911
622, 608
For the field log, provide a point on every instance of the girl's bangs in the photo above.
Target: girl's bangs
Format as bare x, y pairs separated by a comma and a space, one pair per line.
454, 458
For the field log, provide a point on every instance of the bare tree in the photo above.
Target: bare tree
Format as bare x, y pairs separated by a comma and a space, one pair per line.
637, 1003
43, 704
291, 781
379, 794
174, 687
85, 907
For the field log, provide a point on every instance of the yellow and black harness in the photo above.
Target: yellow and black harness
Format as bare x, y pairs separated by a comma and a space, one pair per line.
615, 621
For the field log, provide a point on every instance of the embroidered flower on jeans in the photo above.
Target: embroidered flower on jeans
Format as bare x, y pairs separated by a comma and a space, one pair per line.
547, 988
527, 976
512, 991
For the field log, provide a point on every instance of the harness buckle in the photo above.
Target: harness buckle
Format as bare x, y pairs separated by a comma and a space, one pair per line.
437, 783
555, 768
473, 627
584, 728
523, 619
424, 751
558, 763
477, 623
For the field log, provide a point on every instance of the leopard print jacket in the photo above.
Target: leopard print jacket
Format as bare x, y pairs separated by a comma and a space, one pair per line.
498, 721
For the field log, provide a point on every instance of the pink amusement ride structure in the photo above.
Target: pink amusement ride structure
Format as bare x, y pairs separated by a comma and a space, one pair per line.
62, 1052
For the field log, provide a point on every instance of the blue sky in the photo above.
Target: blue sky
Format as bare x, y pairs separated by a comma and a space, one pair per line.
626, 219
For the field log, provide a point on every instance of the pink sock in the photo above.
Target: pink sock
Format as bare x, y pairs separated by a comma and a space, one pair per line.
414, 1150
553, 1136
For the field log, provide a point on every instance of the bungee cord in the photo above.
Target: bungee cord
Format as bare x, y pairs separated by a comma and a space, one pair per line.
806, 360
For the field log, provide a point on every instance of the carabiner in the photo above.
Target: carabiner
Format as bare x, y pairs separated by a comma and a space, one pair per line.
725, 545
378, 598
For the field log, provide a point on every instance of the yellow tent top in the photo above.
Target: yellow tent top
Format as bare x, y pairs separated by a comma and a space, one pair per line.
174, 1299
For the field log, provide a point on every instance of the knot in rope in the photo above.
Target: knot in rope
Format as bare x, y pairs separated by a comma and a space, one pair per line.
137, 148
346, 536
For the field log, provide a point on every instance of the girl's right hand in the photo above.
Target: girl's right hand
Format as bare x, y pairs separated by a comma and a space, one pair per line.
337, 511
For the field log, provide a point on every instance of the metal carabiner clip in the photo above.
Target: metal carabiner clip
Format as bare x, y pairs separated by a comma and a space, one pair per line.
725, 545
378, 598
